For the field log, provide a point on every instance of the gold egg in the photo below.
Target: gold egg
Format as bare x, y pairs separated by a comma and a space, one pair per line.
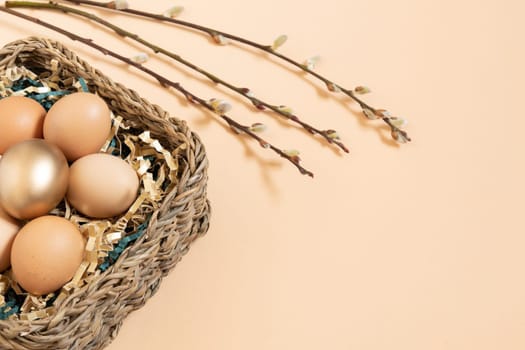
33, 178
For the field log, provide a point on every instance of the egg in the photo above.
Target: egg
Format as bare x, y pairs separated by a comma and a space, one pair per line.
8, 229
21, 118
102, 185
78, 124
46, 253
33, 178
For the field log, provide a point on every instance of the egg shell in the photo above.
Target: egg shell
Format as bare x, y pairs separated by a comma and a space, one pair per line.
78, 124
46, 253
33, 178
102, 185
21, 118
9, 227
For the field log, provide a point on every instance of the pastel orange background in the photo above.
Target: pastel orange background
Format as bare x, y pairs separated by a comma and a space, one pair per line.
409, 248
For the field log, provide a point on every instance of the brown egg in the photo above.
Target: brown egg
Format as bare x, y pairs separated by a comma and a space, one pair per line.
102, 185
46, 254
8, 229
78, 124
21, 118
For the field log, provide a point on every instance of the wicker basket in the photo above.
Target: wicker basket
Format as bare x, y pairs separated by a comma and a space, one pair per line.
91, 317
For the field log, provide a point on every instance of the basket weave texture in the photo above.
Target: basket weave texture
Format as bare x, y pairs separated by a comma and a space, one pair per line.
92, 315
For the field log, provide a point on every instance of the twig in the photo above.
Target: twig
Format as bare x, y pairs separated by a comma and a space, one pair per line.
164, 82
261, 104
217, 35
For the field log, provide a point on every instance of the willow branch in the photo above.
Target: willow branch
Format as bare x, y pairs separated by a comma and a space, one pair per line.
214, 33
238, 127
261, 104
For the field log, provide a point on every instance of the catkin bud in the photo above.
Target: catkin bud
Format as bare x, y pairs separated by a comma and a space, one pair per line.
311, 62
173, 12
279, 41
382, 113
285, 109
399, 136
333, 88
332, 134
141, 57
258, 127
118, 5
361, 90
398, 122
369, 114
220, 39
220, 106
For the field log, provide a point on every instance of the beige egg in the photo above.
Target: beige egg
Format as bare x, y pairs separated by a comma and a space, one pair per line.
46, 254
102, 185
21, 118
9, 227
78, 124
